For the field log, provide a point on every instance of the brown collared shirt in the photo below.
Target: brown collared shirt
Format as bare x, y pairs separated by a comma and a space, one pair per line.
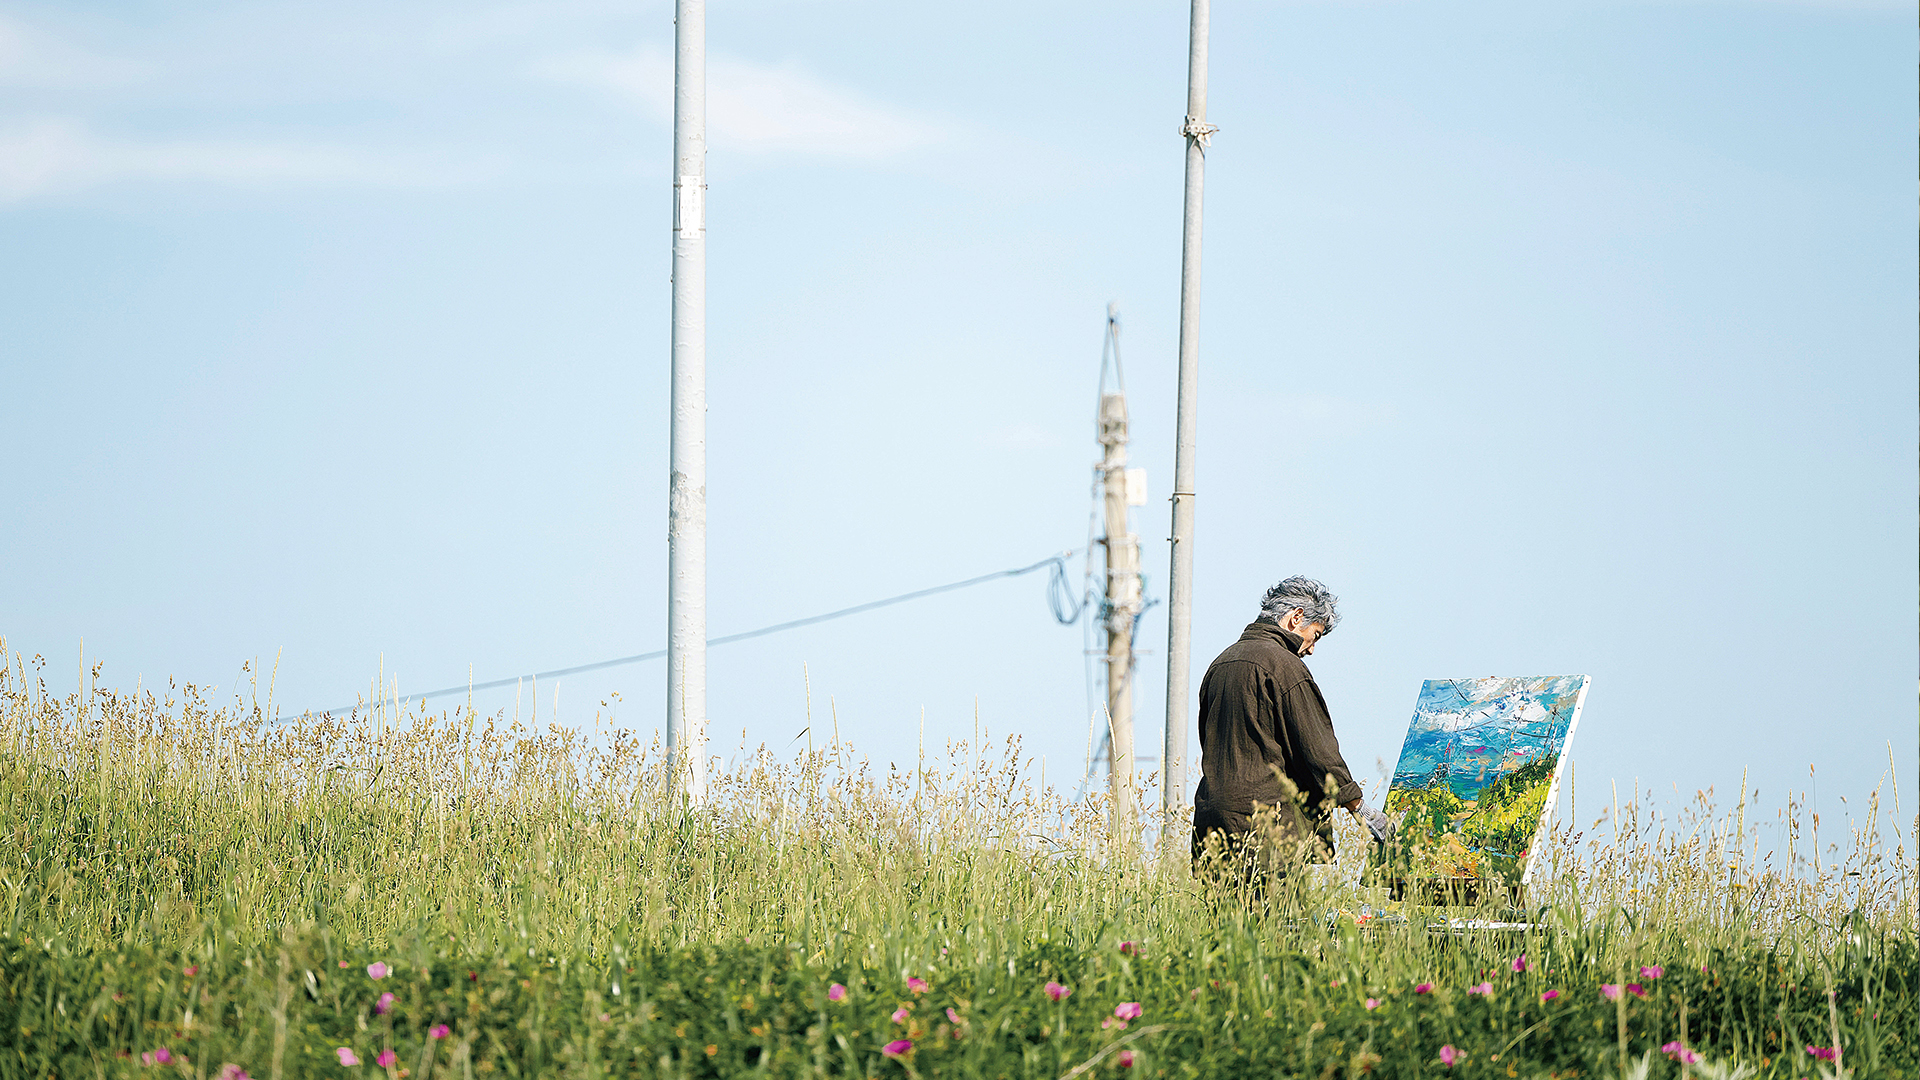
1264, 729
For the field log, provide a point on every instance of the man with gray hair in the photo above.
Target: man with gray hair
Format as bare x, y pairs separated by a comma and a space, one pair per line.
1270, 766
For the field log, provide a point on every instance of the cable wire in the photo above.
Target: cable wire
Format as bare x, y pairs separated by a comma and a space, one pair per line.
1063, 610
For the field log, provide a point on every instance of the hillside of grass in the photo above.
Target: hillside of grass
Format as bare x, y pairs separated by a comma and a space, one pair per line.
187, 888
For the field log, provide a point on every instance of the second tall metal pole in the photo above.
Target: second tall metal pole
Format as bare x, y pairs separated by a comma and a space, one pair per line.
687, 494
1199, 135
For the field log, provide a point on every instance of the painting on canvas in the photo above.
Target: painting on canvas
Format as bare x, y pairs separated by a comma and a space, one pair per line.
1479, 773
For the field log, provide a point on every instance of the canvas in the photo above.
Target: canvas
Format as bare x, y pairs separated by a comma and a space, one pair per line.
1479, 774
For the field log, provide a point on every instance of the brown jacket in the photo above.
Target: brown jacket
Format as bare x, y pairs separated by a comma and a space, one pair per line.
1264, 730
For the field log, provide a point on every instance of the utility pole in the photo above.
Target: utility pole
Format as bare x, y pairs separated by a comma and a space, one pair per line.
687, 496
1199, 134
1122, 604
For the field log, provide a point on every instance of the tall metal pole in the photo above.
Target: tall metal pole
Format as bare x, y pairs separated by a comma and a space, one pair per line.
1198, 134
687, 497
1122, 598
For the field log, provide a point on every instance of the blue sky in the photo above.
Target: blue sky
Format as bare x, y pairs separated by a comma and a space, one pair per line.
1569, 338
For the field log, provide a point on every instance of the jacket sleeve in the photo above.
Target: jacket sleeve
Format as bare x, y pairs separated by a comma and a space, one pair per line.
1316, 750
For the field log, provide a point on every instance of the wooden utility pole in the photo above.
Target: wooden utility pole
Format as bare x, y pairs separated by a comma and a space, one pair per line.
1122, 603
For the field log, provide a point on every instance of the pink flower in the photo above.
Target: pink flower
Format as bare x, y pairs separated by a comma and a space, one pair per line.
146, 1058
1678, 1052
347, 1056
1636, 990
952, 1015
1448, 1055
344, 964
1485, 989
162, 1056
1128, 948
1520, 962
384, 1005
1653, 972
900, 1015
1127, 1010
1124, 1059
386, 1059
897, 1048
918, 986
376, 970
441, 1031
1825, 1053
1423, 988
1549, 996
230, 1071
1610, 991
192, 971
836, 992
1058, 992
1372, 1004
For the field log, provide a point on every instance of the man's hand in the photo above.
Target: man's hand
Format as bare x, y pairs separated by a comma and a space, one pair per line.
1379, 824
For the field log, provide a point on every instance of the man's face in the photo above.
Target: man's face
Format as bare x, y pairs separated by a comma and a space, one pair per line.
1309, 632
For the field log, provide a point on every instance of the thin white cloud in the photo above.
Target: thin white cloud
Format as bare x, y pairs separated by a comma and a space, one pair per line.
759, 108
31, 58
42, 156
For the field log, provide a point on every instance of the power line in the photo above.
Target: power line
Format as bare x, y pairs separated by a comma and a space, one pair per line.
1058, 598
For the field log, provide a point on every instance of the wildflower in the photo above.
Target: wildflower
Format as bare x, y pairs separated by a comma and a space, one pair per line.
898, 1048
1372, 1004
384, 1005
918, 986
1448, 1055
192, 970
1124, 1059
376, 970
386, 1059
161, 1056
1549, 996
1423, 988
605, 1017
441, 1031
900, 1015
1653, 972
347, 1056
952, 1015
1678, 1052
1825, 1053
1127, 1010
1520, 963
230, 1071
1636, 990
1058, 992
836, 992
1610, 991
344, 964
1129, 948
1485, 989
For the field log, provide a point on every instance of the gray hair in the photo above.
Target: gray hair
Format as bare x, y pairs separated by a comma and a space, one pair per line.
1316, 603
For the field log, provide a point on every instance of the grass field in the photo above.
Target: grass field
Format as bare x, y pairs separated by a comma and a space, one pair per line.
188, 890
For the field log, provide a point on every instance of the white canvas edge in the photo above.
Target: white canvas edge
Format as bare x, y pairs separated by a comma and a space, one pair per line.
1553, 789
